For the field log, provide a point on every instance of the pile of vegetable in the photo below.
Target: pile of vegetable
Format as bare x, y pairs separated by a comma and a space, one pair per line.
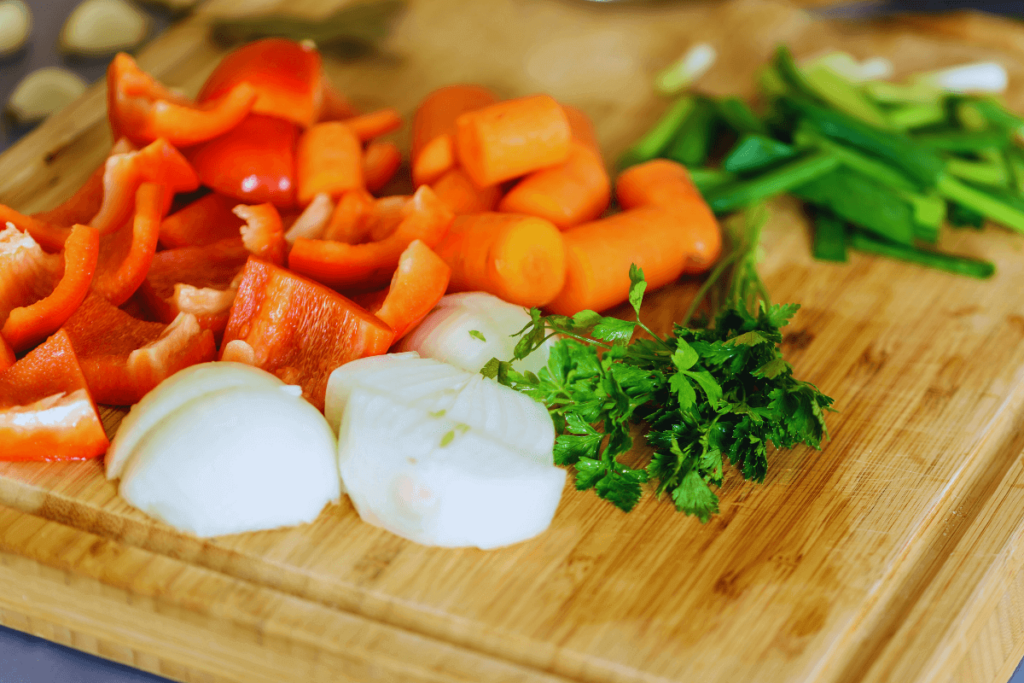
882, 166
236, 244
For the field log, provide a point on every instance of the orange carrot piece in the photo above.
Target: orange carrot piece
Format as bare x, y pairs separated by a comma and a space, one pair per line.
433, 128
125, 255
582, 127
599, 253
575, 192
29, 325
204, 221
666, 184
455, 189
419, 282
350, 221
328, 158
520, 259
381, 160
512, 138
263, 232
376, 123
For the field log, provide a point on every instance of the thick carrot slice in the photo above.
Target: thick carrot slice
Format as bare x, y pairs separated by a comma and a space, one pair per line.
419, 282
46, 412
598, 256
512, 138
300, 330
575, 192
123, 358
352, 218
370, 265
433, 128
125, 256
666, 184
518, 258
28, 325
582, 127
462, 196
263, 232
374, 124
381, 160
204, 221
329, 159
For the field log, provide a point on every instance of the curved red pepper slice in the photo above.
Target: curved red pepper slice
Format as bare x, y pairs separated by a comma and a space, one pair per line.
125, 256
370, 265
28, 325
49, 236
418, 284
204, 221
143, 110
7, 357
285, 74
300, 330
195, 280
157, 162
123, 358
46, 412
253, 162
263, 232
375, 123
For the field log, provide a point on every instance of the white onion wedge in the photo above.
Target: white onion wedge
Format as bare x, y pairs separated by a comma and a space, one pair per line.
235, 460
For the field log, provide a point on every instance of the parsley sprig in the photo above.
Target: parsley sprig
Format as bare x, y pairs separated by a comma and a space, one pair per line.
705, 395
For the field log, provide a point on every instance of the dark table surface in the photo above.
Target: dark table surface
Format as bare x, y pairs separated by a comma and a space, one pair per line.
27, 659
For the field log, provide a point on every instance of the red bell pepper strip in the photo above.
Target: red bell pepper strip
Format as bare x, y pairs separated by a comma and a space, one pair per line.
30, 324
263, 232
195, 280
368, 266
125, 255
253, 162
381, 160
204, 221
299, 330
374, 124
49, 236
7, 357
418, 284
157, 162
46, 412
286, 75
143, 110
27, 273
123, 358
351, 218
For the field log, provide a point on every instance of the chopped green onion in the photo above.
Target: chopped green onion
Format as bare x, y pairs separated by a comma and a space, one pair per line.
660, 135
774, 182
961, 265
829, 237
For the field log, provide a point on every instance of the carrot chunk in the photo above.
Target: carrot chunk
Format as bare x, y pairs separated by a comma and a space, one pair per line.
374, 124
433, 128
462, 196
381, 160
328, 159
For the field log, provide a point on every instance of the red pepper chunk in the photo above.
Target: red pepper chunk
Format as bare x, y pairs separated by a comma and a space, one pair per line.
253, 162
263, 232
125, 256
418, 284
285, 74
46, 412
143, 110
123, 358
204, 221
300, 330
7, 358
359, 267
29, 324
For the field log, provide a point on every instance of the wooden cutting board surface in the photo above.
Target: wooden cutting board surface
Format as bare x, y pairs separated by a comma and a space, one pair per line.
892, 555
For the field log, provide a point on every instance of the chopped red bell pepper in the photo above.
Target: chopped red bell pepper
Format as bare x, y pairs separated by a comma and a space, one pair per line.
263, 232
286, 75
253, 162
381, 160
27, 273
334, 106
370, 265
204, 221
30, 323
197, 280
300, 330
351, 219
49, 236
418, 284
81, 206
375, 123
157, 162
7, 357
123, 358
46, 412
125, 255
143, 110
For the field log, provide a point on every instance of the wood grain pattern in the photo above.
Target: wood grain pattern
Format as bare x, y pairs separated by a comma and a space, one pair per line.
894, 555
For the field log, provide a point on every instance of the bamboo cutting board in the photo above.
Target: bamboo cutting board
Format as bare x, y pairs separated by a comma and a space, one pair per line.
893, 555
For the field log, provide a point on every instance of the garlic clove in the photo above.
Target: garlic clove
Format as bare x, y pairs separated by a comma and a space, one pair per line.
15, 25
99, 27
44, 92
